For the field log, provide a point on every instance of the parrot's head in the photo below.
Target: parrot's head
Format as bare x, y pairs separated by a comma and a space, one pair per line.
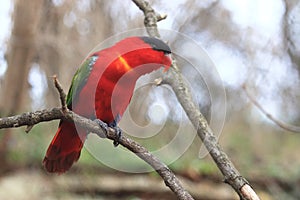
141, 55
160, 50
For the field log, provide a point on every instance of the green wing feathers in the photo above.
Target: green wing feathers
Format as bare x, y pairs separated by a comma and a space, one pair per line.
80, 79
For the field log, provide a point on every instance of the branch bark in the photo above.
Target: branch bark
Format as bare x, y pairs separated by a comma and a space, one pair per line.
151, 17
176, 81
230, 173
29, 119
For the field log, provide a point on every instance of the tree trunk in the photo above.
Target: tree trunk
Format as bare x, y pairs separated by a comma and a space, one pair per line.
20, 52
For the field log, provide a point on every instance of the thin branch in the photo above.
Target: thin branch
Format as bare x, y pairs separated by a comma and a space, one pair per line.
28, 129
62, 97
183, 94
151, 17
62, 94
231, 174
281, 124
32, 118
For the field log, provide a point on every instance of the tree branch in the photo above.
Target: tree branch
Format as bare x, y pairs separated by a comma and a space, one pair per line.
32, 118
279, 123
231, 174
174, 78
151, 17
62, 94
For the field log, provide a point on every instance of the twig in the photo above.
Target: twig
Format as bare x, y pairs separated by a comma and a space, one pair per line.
28, 129
62, 94
283, 125
183, 94
151, 17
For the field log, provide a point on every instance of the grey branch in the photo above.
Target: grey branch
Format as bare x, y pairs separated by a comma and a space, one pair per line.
176, 81
151, 17
62, 94
230, 173
29, 119
279, 123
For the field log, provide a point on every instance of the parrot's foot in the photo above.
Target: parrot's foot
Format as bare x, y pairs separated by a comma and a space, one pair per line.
114, 126
119, 135
118, 131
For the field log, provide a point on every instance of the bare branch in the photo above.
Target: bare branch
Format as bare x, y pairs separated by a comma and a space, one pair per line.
32, 118
62, 94
176, 81
160, 17
247, 191
281, 124
151, 17
231, 174
28, 128
29, 119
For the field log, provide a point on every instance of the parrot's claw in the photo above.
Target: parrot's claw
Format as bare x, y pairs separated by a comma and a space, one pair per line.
114, 126
118, 131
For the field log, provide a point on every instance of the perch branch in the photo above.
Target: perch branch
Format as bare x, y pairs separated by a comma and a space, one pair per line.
176, 81
230, 173
32, 118
279, 123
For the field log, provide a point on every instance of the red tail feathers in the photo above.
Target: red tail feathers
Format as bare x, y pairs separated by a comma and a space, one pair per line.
65, 148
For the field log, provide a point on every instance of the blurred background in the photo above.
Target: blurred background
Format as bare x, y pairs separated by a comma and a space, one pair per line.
252, 43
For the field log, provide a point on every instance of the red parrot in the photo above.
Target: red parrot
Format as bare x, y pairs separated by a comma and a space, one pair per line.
101, 89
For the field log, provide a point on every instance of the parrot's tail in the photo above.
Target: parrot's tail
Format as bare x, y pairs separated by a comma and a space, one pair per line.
65, 147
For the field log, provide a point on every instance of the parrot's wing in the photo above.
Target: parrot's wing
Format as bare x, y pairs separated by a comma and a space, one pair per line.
80, 79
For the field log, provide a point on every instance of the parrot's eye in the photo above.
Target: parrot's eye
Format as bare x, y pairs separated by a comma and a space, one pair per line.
157, 44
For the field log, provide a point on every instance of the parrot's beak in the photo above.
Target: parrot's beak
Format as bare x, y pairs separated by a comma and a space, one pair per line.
167, 62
